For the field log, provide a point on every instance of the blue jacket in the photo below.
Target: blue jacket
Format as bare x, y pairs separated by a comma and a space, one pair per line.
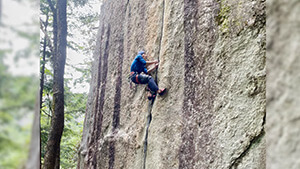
139, 65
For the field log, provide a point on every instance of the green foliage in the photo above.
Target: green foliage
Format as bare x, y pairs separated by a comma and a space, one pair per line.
72, 133
16, 106
84, 70
79, 24
45, 128
17, 99
74, 117
14, 143
17, 92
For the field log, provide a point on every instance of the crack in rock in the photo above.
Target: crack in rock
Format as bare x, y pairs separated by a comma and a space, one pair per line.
255, 140
151, 102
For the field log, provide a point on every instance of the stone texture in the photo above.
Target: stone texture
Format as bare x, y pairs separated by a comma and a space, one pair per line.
212, 60
283, 48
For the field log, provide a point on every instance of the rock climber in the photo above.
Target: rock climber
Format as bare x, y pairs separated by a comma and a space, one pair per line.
140, 75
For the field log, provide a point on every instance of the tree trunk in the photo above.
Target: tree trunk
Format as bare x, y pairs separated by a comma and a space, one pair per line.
43, 65
57, 159
57, 123
54, 11
34, 156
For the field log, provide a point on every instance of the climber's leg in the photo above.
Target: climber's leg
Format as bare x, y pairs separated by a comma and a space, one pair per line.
144, 79
152, 85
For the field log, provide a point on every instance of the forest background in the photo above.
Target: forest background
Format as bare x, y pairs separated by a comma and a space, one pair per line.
24, 39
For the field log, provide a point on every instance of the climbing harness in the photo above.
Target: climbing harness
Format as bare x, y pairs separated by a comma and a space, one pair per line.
129, 78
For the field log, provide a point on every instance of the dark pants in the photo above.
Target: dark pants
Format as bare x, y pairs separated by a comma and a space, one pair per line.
144, 79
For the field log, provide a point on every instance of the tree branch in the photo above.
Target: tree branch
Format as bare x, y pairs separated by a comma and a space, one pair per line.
49, 115
51, 6
42, 25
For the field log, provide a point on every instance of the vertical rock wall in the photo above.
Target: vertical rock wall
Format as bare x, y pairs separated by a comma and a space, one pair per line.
212, 60
283, 139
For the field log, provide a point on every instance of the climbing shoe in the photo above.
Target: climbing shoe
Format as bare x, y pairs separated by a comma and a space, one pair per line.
162, 91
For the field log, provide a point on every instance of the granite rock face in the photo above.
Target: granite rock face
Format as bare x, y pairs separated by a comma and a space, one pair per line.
212, 60
283, 82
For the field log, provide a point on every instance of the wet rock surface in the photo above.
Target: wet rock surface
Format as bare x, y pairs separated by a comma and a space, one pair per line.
212, 60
